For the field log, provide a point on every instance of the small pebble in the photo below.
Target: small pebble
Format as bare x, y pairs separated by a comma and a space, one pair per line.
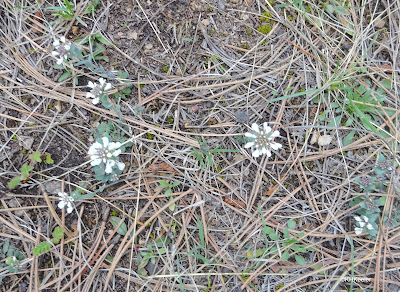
205, 22
195, 109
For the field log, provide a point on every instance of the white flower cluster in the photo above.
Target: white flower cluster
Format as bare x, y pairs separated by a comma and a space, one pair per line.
65, 200
262, 140
97, 90
61, 49
362, 222
106, 152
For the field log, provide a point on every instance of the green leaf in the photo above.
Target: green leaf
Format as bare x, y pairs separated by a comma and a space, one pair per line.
164, 183
312, 91
387, 83
286, 233
101, 39
14, 182
41, 248
256, 254
300, 260
201, 231
199, 256
123, 229
298, 248
48, 159
171, 206
271, 233
64, 76
285, 255
175, 183
58, 234
81, 21
291, 224
25, 169
349, 137
36, 156
58, 66
273, 236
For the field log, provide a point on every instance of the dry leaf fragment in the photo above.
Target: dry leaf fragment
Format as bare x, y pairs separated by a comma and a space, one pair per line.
36, 22
324, 140
26, 142
314, 137
75, 30
234, 203
162, 166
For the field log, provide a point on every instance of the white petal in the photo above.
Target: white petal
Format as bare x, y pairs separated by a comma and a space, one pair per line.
62, 195
365, 218
362, 224
357, 218
248, 145
62, 39
264, 150
269, 153
91, 84
267, 128
95, 162
369, 226
121, 165
108, 86
250, 135
114, 145
70, 208
61, 204
358, 230
105, 142
89, 95
116, 152
59, 61
67, 47
256, 153
275, 134
95, 100
254, 126
102, 81
56, 42
55, 53
275, 146
109, 165
94, 148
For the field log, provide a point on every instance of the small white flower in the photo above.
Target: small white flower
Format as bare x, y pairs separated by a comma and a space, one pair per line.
362, 222
358, 230
65, 200
61, 49
365, 218
106, 152
262, 140
97, 90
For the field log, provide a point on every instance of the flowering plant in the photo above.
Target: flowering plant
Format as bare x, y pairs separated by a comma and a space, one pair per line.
362, 222
66, 200
262, 140
98, 90
61, 49
104, 157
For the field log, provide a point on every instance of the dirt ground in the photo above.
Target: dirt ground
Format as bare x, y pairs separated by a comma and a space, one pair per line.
193, 209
